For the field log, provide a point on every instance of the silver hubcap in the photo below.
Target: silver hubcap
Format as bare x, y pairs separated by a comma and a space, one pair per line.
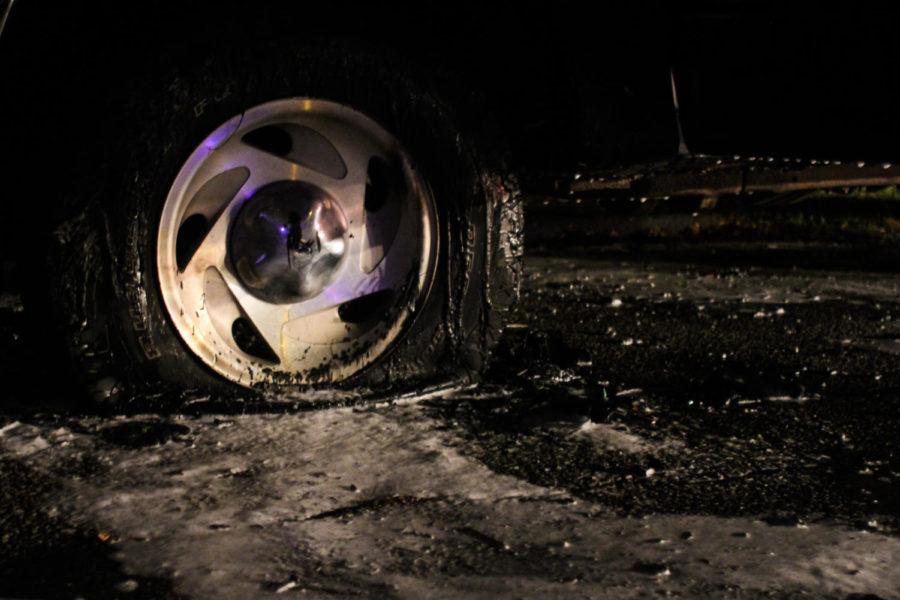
295, 244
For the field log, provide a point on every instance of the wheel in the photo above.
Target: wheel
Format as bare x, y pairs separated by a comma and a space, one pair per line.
333, 222
295, 243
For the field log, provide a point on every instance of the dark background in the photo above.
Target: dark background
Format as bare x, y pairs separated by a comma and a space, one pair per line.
569, 83
571, 86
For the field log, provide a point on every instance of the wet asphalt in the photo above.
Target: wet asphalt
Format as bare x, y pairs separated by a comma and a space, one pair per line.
688, 419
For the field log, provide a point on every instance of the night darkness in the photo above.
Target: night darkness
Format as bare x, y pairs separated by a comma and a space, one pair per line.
450, 300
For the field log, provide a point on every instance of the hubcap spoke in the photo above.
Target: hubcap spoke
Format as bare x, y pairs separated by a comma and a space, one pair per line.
211, 251
267, 319
266, 168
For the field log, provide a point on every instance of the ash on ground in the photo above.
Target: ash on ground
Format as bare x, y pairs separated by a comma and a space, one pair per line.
666, 423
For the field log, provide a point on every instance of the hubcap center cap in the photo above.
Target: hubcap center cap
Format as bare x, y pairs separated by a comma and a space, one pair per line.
287, 242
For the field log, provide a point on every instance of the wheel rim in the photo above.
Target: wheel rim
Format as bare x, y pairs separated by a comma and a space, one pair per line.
295, 244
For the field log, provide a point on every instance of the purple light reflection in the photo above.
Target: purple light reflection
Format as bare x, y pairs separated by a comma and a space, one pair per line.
221, 135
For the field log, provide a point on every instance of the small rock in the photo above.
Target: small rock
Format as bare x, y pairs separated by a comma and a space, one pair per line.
127, 586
